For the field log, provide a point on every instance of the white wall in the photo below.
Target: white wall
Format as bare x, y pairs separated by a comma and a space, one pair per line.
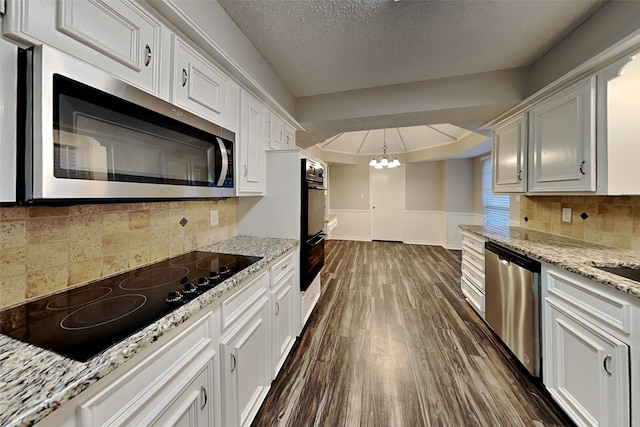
439, 196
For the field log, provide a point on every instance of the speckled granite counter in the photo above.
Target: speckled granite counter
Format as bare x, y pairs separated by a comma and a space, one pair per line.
577, 256
34, 382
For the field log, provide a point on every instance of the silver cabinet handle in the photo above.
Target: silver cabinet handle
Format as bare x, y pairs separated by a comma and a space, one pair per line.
184, 77
277, 309
246, 170
284, 267
520, 175
203, 397
606, 364
234, 362
147, 56
581, 165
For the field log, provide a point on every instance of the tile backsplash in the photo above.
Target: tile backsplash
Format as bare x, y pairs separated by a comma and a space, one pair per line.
45, 249
609, 220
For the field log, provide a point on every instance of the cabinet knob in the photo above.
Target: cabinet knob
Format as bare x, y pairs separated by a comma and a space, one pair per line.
234, 362
520, 175
184, 77
147, 56
203, 397
606, 364
581, 165
277, 309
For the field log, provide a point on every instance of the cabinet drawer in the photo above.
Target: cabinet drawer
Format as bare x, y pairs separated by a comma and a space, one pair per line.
474, 296
472, 258
473, 276
309, 299
133, 393
473, 242
591, 300
280, 268
240, 302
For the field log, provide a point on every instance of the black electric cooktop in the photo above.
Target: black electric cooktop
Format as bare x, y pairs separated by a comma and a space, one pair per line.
82, 322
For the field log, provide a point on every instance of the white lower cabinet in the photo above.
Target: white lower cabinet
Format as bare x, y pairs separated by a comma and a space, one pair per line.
246, 361
163, 379
308, 300
586, 351
190, 406
587, 370
472, 279
284, 334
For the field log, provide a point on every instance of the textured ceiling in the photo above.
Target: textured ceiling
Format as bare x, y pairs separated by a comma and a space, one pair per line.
326, 46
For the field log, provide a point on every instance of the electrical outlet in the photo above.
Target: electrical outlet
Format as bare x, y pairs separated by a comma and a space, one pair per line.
213, 217
566, 214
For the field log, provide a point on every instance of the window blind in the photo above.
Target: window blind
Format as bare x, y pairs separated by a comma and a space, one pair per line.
495, 207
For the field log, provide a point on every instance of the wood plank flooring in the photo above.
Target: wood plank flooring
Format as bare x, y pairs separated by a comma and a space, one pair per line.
392, 342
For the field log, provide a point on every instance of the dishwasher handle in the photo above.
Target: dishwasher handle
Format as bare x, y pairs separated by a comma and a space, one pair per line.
512, 257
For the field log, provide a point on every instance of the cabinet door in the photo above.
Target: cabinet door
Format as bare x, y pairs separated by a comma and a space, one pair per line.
289, 138
198, 85
276, 139
586, 370
192, 407
509, 156
246, 366
284, 335
117, 36
562, 138
252, 137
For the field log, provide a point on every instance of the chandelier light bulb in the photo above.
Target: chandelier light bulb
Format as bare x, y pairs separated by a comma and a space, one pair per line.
395, 162
378, 165
384, 162
373, 162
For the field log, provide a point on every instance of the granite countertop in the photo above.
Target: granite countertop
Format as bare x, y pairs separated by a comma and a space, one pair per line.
34, 381
577, 256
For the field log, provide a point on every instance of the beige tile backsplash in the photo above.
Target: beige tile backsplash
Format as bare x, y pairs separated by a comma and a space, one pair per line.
612, 220
45, 249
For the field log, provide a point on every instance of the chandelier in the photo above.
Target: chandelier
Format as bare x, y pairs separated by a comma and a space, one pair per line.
384, 161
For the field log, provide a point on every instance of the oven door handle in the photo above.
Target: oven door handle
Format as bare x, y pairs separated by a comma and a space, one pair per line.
317, 240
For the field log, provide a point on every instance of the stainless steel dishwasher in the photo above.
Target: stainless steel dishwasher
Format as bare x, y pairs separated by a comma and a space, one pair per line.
512, 303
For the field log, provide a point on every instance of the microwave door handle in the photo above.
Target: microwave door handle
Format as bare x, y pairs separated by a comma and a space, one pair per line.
225, 162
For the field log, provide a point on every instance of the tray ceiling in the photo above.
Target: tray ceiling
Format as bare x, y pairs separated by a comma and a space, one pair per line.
398, 140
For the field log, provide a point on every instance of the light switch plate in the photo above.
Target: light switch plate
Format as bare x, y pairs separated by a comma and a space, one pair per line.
213, 217
566, 214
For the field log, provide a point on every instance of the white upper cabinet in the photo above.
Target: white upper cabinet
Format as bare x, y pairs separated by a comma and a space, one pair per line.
117, 35
618, 127
289, 138
281, 135
276, 132
197, 85
252, 136
8, 90
509, 155
563, 140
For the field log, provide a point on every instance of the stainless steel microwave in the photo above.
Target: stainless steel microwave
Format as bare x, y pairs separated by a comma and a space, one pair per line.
91, 137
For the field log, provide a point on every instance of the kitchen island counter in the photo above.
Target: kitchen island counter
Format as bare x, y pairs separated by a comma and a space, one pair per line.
34, 382
578, 256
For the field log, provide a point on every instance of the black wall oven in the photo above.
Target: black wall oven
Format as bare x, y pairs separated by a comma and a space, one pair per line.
312, 230
90, 136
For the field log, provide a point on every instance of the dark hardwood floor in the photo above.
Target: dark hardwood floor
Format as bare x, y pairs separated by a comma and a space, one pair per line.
392, 342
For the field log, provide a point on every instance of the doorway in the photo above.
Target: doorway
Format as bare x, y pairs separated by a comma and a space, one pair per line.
386, 187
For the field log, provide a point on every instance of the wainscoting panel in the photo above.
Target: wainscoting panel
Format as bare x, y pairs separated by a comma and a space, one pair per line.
453, 238
424, 227
352, 225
